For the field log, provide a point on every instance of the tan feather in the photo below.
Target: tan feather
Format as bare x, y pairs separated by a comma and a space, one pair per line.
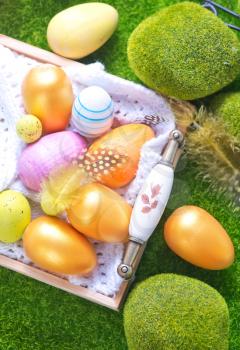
217, 154
184, 112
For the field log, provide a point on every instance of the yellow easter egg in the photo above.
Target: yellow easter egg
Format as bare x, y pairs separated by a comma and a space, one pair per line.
15, 215
82, 29
100, 213
115, 155
197, 237
56, 246
29, 128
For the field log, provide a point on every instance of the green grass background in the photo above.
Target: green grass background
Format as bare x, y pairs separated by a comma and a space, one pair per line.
36, 316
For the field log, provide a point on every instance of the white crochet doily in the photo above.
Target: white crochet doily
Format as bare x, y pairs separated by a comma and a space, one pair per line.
132, 102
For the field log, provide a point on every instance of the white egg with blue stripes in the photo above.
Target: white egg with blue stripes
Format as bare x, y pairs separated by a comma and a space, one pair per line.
92, 113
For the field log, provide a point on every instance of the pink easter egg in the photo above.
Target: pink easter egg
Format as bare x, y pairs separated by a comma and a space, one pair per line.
51, 152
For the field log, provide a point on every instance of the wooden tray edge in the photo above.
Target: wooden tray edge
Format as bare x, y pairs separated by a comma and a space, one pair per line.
55, 281
35, 52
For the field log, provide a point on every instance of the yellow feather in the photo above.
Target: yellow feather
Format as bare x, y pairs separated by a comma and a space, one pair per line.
61, 188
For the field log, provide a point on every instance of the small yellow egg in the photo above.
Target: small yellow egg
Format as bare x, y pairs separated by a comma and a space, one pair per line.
100, 213
196, 236
29, 128
15, 215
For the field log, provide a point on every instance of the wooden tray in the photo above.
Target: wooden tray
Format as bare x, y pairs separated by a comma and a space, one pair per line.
112, 303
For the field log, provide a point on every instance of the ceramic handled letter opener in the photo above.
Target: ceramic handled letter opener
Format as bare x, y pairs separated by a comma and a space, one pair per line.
150, 203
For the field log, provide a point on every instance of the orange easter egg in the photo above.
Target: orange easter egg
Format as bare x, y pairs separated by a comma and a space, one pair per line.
197, 237
117, 154
100, 213
47, 94
54, 245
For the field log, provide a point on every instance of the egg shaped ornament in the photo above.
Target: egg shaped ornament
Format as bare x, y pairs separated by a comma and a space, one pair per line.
82, 29
54, 245
115, 155
29, 128
15, 215
92, 113
49, 154
176, 51
47, 94
197, 237
100, 213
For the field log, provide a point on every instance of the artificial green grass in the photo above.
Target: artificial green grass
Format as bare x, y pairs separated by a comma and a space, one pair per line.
34, 316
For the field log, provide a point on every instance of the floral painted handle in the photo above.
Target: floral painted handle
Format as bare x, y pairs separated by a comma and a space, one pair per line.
151, 202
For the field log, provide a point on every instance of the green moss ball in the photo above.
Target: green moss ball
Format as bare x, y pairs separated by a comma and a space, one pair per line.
227, 107
173, 312
184, 51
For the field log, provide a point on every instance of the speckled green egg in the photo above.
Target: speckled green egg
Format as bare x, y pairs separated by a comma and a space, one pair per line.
29, 128
15, 215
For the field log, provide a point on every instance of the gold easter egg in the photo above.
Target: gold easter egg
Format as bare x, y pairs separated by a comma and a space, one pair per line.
197, 237
115, 156
100, 213
47, 94
54, 245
